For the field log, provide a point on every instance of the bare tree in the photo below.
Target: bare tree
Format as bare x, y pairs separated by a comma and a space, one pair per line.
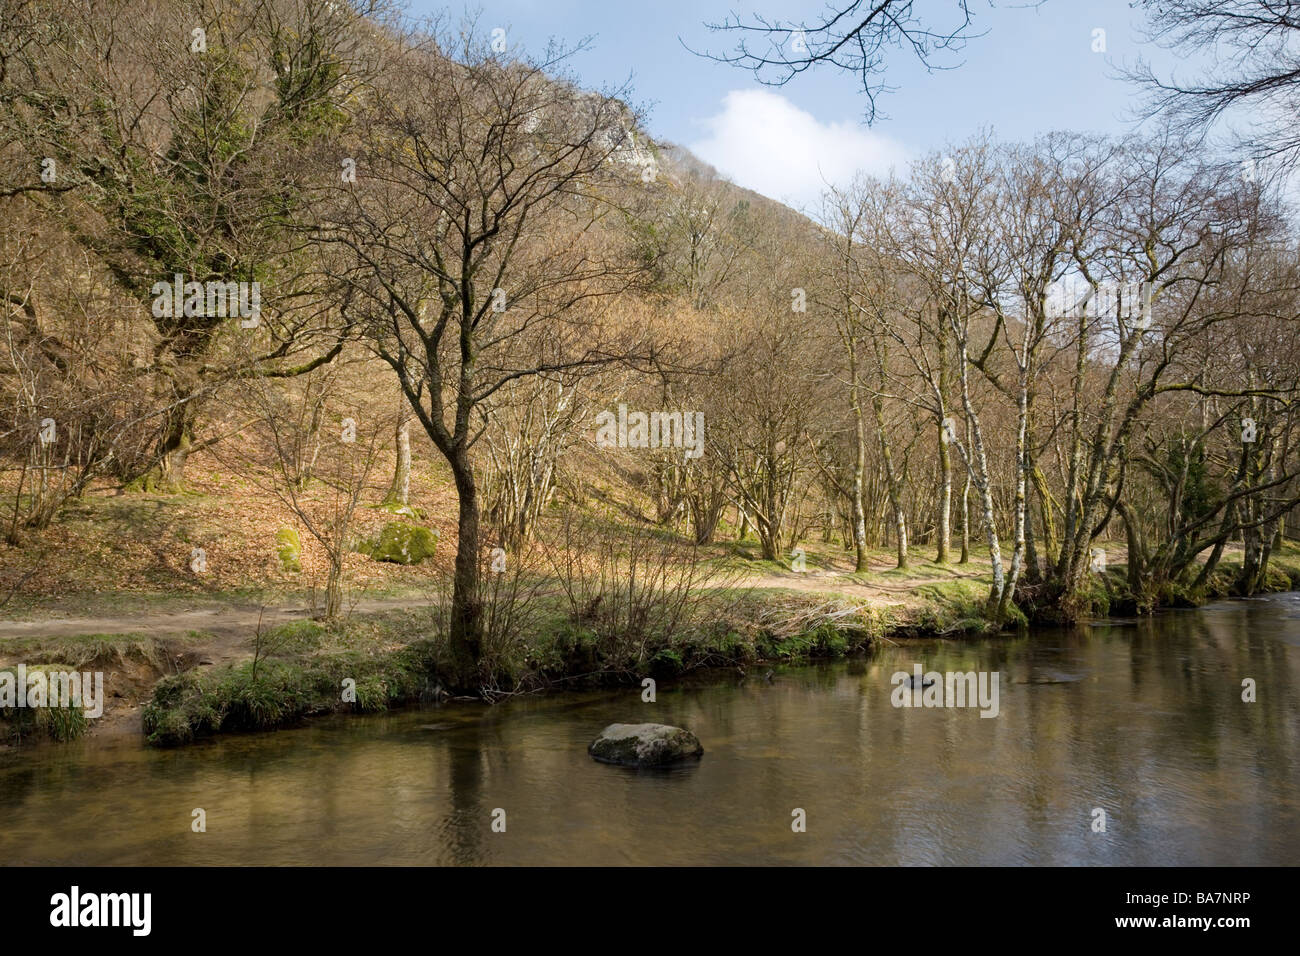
474, 246
854, 37
325, 504
842, 217
1256, 70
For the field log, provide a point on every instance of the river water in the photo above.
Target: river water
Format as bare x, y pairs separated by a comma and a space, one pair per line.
1142, 719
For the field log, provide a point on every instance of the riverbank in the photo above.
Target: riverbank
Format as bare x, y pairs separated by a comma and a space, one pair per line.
178, 688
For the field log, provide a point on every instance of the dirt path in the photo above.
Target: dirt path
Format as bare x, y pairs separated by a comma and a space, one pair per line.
874, 587
233, 625
830, 581
129, 681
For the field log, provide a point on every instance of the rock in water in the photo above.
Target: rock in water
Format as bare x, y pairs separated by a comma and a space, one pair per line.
644, 745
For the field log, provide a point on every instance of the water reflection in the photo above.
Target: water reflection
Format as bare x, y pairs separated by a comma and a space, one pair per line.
1142, 718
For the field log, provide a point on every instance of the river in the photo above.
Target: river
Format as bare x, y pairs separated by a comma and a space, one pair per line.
1142, 719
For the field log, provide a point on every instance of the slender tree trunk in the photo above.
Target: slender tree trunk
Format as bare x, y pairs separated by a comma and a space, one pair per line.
945, 453
893, 483
400, 492
988, 514
1212, 562
894, 487
1136, 553
1032, 567
977, 466
1048, 521
769, 537
334, 587
900, 533
1073, 491
1253, 549
1019, 522
945, 498
859, 516
965, 517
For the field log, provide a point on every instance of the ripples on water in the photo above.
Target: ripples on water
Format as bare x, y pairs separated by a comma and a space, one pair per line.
1143, 718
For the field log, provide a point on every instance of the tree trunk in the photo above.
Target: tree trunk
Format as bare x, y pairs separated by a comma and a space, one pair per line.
334, 587
1019, 521
1045, 501
768, 537
859, 516
945, 498
400, 492
466, 626
1032, 567
1252, 569
1136, 560
900, 531
965, 523
893, 484
945, 453
174, 452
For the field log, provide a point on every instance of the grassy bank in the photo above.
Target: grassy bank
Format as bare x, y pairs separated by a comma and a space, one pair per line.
374, 662
132, 663
382, 661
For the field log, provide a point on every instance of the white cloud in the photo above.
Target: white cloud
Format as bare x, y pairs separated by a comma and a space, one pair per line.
764, 142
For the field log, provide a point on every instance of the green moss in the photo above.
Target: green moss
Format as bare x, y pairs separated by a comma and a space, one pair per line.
401, 543
395, 507
1276, 579
289, 547
825, 639
666, 662
151, 483
295, 636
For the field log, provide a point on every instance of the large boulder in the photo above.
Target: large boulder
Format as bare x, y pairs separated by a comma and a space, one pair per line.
289, 547
401, 543
644, 745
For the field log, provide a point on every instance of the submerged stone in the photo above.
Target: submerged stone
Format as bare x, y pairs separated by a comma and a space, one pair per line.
1050, 676
644, 745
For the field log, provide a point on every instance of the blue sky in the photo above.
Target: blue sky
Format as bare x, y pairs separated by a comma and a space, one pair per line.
1034, 71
